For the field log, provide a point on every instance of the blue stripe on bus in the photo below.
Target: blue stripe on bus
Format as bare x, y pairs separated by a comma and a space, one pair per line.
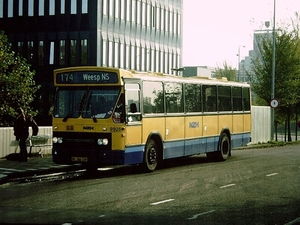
173, 149
134, 154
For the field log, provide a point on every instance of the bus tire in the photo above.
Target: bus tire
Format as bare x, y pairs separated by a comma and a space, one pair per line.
151, 156
224, 147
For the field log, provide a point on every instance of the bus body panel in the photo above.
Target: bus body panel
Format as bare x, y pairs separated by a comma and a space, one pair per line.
156, 125
193, 127
237, 123
134, 154
174, 128
210, 125
133, 134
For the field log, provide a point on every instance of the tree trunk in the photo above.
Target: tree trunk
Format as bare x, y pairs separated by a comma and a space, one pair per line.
289, 123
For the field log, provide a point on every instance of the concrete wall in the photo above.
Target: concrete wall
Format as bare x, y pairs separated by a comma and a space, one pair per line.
8, 143
261, 124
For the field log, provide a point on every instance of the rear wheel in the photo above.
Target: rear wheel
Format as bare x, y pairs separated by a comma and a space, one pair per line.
224, 147
151, 156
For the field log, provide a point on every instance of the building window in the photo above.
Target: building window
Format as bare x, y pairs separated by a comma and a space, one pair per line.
51, 7
127, 58
110, 53
152, 68
167, 21
171, 21
179, 24
142, 51
62, 6
133, 11
138, 19
157, 60
153, 17
1, 9
104, 7
138, 58
165, 61
30, 51
144, 14
161, 61
132, 57
148, 20
10, 10
73, 6
20, 7
41, 7
122, 8
41, 53
157, 18
62, 52
111, 8
51, 53
162, 19
175, 23
117, 8
122, 55
128, 11
85, 6
20, 48
73, 52
116, 53
30, 7
104, 51
84, 55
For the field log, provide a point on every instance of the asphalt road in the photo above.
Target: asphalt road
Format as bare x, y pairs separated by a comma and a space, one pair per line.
255, 186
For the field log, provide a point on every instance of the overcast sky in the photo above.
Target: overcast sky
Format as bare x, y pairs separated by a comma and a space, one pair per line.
213, 30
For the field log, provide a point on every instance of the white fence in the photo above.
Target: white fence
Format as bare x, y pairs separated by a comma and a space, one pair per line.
261, 124
261, 132
8, 143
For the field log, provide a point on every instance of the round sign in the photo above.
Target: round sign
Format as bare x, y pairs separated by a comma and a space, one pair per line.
274, 103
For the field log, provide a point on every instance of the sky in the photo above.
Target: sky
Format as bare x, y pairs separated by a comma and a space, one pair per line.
215, 30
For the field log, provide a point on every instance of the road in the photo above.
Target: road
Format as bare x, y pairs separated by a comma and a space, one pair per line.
254, 186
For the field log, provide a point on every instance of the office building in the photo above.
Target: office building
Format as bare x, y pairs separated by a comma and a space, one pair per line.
131, 34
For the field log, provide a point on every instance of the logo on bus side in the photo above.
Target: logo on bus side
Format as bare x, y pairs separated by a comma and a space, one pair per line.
193, 124
88, 128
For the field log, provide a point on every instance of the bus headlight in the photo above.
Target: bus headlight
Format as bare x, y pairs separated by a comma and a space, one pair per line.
102, 141
57, 140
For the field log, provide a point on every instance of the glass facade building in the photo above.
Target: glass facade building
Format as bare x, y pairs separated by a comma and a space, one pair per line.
144, 35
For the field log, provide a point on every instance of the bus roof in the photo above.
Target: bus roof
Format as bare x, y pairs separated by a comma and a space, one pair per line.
153, 76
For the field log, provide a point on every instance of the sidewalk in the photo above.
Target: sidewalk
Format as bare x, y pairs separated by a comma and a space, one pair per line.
35, 166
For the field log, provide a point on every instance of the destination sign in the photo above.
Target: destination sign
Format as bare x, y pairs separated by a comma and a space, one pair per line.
87, 77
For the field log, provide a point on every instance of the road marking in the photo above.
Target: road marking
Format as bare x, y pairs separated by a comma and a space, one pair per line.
161, 202
200, 214
228, 185
293, 222
272, 174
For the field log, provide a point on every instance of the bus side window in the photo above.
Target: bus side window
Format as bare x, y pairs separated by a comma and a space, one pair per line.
133, 112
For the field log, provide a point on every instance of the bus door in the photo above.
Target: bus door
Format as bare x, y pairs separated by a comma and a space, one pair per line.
133, 113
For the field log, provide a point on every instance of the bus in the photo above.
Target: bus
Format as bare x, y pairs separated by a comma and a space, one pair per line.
108, 116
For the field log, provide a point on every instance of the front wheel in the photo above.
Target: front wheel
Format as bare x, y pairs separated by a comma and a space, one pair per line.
151, 156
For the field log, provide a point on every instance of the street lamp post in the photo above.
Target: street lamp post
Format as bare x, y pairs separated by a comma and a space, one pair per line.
273, 76
239, 55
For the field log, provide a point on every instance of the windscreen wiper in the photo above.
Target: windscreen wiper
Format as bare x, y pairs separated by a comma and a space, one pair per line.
71, 113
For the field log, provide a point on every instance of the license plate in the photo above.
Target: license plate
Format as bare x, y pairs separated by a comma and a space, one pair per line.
79, 159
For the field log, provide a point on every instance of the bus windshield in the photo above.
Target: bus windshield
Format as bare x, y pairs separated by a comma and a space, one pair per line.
88, 102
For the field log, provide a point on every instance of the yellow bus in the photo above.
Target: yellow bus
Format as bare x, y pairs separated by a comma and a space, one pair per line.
109, 116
